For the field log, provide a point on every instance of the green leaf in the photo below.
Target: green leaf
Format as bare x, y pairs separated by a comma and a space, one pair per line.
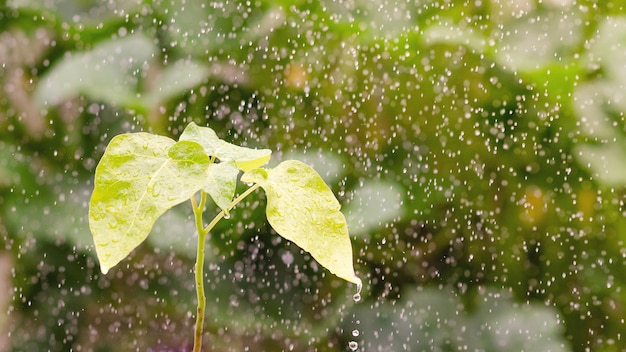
371, 206
174, 80
139, 177
245, 158
221, 183
606, 162
106, 73
302, 209
534, 41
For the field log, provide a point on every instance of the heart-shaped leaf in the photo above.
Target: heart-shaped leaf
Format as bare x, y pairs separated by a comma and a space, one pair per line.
245, 158
302, 209
139, 177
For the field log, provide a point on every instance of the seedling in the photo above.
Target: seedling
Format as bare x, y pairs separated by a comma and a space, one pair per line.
142, 175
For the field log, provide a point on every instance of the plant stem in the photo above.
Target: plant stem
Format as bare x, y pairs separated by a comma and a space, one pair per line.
198, 210
232, 204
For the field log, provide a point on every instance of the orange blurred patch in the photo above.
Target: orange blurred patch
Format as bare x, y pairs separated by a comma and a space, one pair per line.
296, 76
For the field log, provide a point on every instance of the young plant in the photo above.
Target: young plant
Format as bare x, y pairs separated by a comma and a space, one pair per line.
142, 175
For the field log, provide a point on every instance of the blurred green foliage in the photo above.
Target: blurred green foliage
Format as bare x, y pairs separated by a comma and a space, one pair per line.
478, 148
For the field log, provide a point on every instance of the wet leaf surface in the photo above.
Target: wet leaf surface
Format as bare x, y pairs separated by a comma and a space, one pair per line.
245, 158
139, 177
302, 209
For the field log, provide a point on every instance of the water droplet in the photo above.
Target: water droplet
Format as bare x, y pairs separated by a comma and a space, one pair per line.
355, 332
353, 345
226, 215
287, 258
357, 296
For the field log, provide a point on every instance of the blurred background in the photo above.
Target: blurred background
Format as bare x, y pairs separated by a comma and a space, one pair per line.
478, 149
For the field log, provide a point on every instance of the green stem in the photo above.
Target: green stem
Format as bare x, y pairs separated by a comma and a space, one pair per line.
198, 210
232, 204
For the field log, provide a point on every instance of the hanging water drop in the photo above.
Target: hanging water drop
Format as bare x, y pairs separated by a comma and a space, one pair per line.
353, 345
357, 296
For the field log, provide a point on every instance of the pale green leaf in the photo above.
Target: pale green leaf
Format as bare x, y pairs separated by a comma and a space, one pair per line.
221, 183
139, 177
446, 32
245, 158
374, 204
611, 34
606, 162
107, 73
302, 209
532, 42
174, 80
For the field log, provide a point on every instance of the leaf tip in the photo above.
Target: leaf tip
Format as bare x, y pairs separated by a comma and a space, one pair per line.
355, 280
104, 269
